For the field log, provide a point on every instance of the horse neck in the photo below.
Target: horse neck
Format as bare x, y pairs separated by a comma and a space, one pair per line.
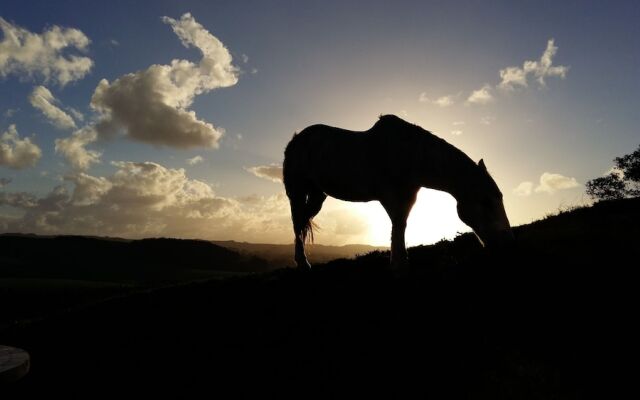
449, 169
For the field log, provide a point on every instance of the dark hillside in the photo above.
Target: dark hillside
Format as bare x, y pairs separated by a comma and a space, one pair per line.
116, 260
40, 275
546, 319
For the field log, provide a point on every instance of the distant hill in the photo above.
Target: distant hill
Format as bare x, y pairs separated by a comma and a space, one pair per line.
549, 318
118, 260
282, 254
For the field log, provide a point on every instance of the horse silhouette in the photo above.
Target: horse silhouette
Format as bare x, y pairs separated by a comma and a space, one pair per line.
390, 162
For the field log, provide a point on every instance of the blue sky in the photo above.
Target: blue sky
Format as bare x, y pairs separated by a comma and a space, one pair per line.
343, 64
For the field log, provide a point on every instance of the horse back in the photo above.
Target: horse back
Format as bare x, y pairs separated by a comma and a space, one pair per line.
351, 165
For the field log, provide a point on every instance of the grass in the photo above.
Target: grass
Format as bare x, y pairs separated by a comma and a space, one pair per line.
542, 320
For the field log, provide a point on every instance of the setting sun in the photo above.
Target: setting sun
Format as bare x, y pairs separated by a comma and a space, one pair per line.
432, 218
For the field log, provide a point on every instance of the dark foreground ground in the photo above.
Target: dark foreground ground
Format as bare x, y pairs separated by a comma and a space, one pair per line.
548, 319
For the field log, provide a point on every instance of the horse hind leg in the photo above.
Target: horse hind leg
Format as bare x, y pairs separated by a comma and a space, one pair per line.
303, 208
300, 222
398, 207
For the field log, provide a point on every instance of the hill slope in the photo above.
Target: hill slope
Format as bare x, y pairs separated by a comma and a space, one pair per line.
282, 254
117, 260
541, 320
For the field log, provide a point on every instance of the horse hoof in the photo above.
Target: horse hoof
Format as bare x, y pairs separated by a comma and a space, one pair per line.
304, 266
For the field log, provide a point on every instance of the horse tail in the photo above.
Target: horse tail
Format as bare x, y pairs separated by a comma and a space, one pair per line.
297, 186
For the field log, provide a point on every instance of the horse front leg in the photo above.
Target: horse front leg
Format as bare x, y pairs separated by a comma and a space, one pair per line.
300, 256
398, 206
399, 257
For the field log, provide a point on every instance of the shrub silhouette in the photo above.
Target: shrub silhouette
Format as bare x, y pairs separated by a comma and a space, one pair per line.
623, 181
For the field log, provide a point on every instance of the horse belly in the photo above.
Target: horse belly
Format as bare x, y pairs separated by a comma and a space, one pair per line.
342, 167
346, 189
350, 195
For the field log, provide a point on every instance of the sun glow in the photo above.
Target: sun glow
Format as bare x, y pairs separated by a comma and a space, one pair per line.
432, 218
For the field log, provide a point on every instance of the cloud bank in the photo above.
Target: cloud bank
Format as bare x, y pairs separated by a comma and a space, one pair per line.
146, 199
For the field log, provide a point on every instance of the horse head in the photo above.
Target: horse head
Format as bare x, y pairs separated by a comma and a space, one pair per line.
480, 206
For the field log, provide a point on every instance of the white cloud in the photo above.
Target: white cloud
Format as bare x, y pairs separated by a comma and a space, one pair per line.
442, 101
271, 172
487, 120
550, 183
45, 55
76, 114
456, 132
19, 200
457, 123
11, 112
144, 199
17, 153
152, 105
524, 189
73, 148
245, 58
42, 99
512, 77
88, 189
195, 160
481, 96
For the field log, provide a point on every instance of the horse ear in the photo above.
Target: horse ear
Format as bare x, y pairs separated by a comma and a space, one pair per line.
481, 164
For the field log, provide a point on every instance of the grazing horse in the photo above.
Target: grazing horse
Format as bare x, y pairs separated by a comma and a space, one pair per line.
389, 162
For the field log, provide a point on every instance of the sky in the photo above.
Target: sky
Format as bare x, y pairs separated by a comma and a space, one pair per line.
158, 118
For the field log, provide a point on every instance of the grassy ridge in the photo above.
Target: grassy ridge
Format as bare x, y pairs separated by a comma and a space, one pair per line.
541, 320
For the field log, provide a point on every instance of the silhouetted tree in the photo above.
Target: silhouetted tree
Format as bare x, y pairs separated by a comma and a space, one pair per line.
623, 181
607, 187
